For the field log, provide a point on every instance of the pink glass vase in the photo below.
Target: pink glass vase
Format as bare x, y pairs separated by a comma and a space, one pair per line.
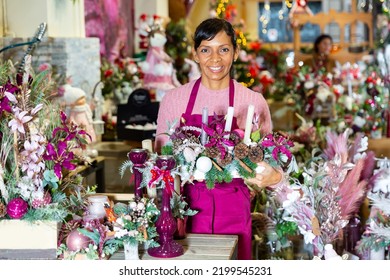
138, 157
166, 223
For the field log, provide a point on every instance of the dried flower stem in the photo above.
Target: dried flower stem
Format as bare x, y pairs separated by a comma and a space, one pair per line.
16, 155
145, 234
243, 165
216, 166
3, 190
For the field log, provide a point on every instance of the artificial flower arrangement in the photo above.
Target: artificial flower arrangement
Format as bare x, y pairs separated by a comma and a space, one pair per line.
154, 178
135, 222
334, 185
95, 238
120, 78
271, 228
376, 236
90, 239
216, 155
38, 150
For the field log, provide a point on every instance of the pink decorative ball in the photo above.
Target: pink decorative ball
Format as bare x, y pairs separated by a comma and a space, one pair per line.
77, 241
16, 208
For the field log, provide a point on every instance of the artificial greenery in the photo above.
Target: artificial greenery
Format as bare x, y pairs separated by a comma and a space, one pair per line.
180, 207
177, 47
217, 176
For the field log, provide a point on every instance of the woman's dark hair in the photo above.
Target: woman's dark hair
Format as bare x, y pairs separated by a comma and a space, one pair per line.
209, 28
320, 39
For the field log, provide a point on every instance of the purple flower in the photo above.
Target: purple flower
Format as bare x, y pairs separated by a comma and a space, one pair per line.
71, 130
4, 105
6, 96
217, 138
61, 157
279, 143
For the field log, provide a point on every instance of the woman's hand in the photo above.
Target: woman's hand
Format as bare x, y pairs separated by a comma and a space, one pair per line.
267, 177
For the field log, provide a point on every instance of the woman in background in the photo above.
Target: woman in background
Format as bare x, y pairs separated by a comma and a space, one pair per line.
321, 57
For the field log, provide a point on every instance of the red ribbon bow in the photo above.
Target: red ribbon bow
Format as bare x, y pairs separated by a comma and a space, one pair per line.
159, 175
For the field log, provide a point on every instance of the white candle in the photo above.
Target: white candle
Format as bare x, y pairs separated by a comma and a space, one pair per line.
229, 120
205, 121
248, 124
177, 184
147, 145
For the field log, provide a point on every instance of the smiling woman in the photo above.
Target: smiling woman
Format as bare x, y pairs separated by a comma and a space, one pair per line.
225, 209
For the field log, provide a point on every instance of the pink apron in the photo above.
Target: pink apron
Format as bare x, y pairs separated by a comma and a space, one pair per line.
226, 208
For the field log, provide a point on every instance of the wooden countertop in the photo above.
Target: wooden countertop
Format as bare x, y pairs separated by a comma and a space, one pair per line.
198, 247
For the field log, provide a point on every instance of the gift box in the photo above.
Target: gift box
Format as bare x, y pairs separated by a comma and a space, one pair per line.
21, 239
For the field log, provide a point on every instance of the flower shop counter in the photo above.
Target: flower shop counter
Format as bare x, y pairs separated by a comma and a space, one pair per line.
199, 247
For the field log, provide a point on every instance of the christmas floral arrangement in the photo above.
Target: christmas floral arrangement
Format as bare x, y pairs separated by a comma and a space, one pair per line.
135, 222
270, 226
120, 78
334, 185
99, 238
364, 107
92, 239
215, 155
38, 151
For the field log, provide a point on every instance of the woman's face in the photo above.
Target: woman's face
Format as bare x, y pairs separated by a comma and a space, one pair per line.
325, 46
215, 58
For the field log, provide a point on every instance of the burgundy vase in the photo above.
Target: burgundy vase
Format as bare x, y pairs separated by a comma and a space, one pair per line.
138, 157
352, 234
181, 232
166, 223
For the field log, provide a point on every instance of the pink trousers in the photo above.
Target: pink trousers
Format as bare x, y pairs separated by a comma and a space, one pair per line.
222, 210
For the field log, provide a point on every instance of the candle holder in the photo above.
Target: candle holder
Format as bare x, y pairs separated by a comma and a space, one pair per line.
138, 157
166, 223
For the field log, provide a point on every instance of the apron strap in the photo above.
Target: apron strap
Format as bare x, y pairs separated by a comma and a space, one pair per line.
194, 92
191, 102
231, 93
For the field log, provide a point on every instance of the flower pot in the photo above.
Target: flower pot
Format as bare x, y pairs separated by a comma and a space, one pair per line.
377, 254
131, 250
20, 239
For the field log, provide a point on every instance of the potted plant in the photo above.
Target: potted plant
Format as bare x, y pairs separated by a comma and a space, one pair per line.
38, 153
134, 223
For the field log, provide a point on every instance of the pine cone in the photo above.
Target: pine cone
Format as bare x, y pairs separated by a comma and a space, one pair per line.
176, 143
225, 161
235, 137
256, 154
212, 152
3, 210
241, 150
194, 139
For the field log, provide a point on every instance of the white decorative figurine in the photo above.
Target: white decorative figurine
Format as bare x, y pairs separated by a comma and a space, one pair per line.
78, 110
158, 68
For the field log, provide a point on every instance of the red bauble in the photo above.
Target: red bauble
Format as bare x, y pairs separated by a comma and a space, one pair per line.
16, 208
77, 241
